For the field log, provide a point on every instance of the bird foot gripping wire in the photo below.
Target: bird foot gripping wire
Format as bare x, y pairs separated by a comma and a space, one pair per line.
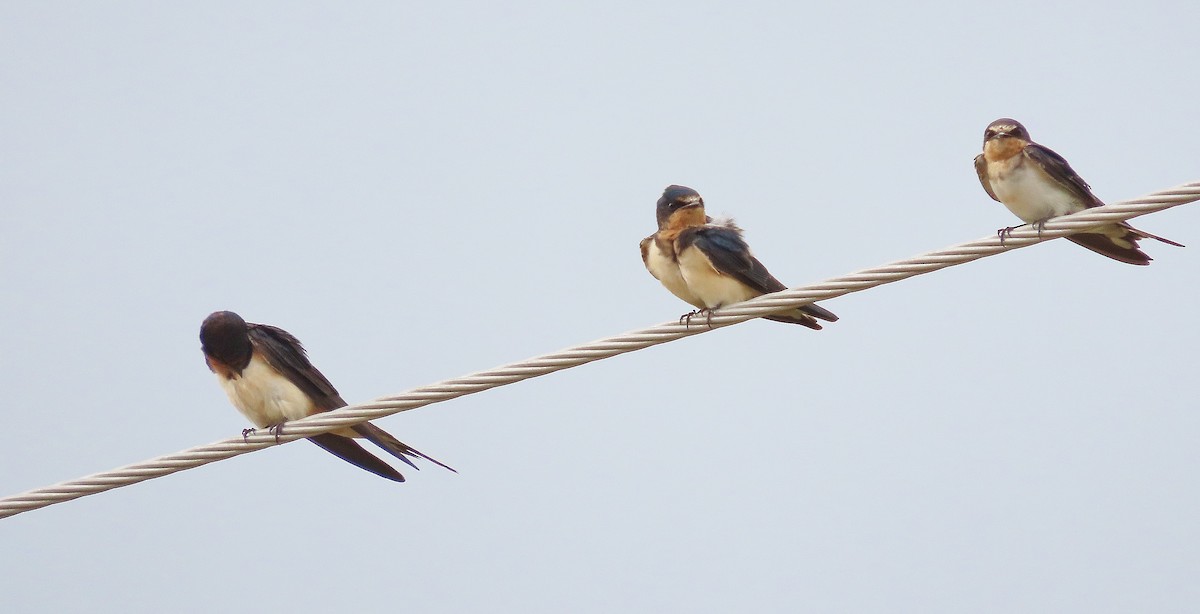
686, 319
274, 429
1005, 233
1039, 226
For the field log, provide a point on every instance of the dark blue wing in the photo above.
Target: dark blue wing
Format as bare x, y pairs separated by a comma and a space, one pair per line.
730, 255
981, 170
1057, 168
285, 353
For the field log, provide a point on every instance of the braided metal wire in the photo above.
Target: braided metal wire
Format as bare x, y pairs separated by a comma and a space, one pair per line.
597, 350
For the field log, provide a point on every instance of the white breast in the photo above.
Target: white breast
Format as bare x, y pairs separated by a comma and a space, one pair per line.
264, 396
667, 271
711, 288
1028, 192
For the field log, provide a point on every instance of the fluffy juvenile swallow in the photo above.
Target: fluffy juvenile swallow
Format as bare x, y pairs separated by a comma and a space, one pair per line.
268, 378
709, 264
1037, 184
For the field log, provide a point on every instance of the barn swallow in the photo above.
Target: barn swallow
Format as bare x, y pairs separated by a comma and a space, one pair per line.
267, 375
1037, 184
707, 263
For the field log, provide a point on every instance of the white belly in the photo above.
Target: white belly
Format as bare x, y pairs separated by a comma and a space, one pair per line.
711, 288
264, 396
1028, 192
667, 271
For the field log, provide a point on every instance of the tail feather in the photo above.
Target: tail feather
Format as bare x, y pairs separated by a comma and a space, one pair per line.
819, 312
805, 316
1119, 242
1106, 246
348, 450
394, 446
799, 318
1145, 235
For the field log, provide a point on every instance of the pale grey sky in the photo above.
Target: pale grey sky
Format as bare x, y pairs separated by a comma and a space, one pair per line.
422, 190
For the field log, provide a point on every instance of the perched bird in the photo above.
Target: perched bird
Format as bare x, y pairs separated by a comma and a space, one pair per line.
709, 264
268, 377
1037, 184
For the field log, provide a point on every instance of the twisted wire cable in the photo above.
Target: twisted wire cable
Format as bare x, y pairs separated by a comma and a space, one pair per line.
598, 350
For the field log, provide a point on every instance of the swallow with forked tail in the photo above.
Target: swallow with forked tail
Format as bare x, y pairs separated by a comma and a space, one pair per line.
708, 264
1037, 184
268, 378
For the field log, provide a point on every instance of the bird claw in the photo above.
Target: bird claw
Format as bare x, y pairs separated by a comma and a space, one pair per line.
1039, 226
1005, 233
247, 433
276, 430
686, 319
